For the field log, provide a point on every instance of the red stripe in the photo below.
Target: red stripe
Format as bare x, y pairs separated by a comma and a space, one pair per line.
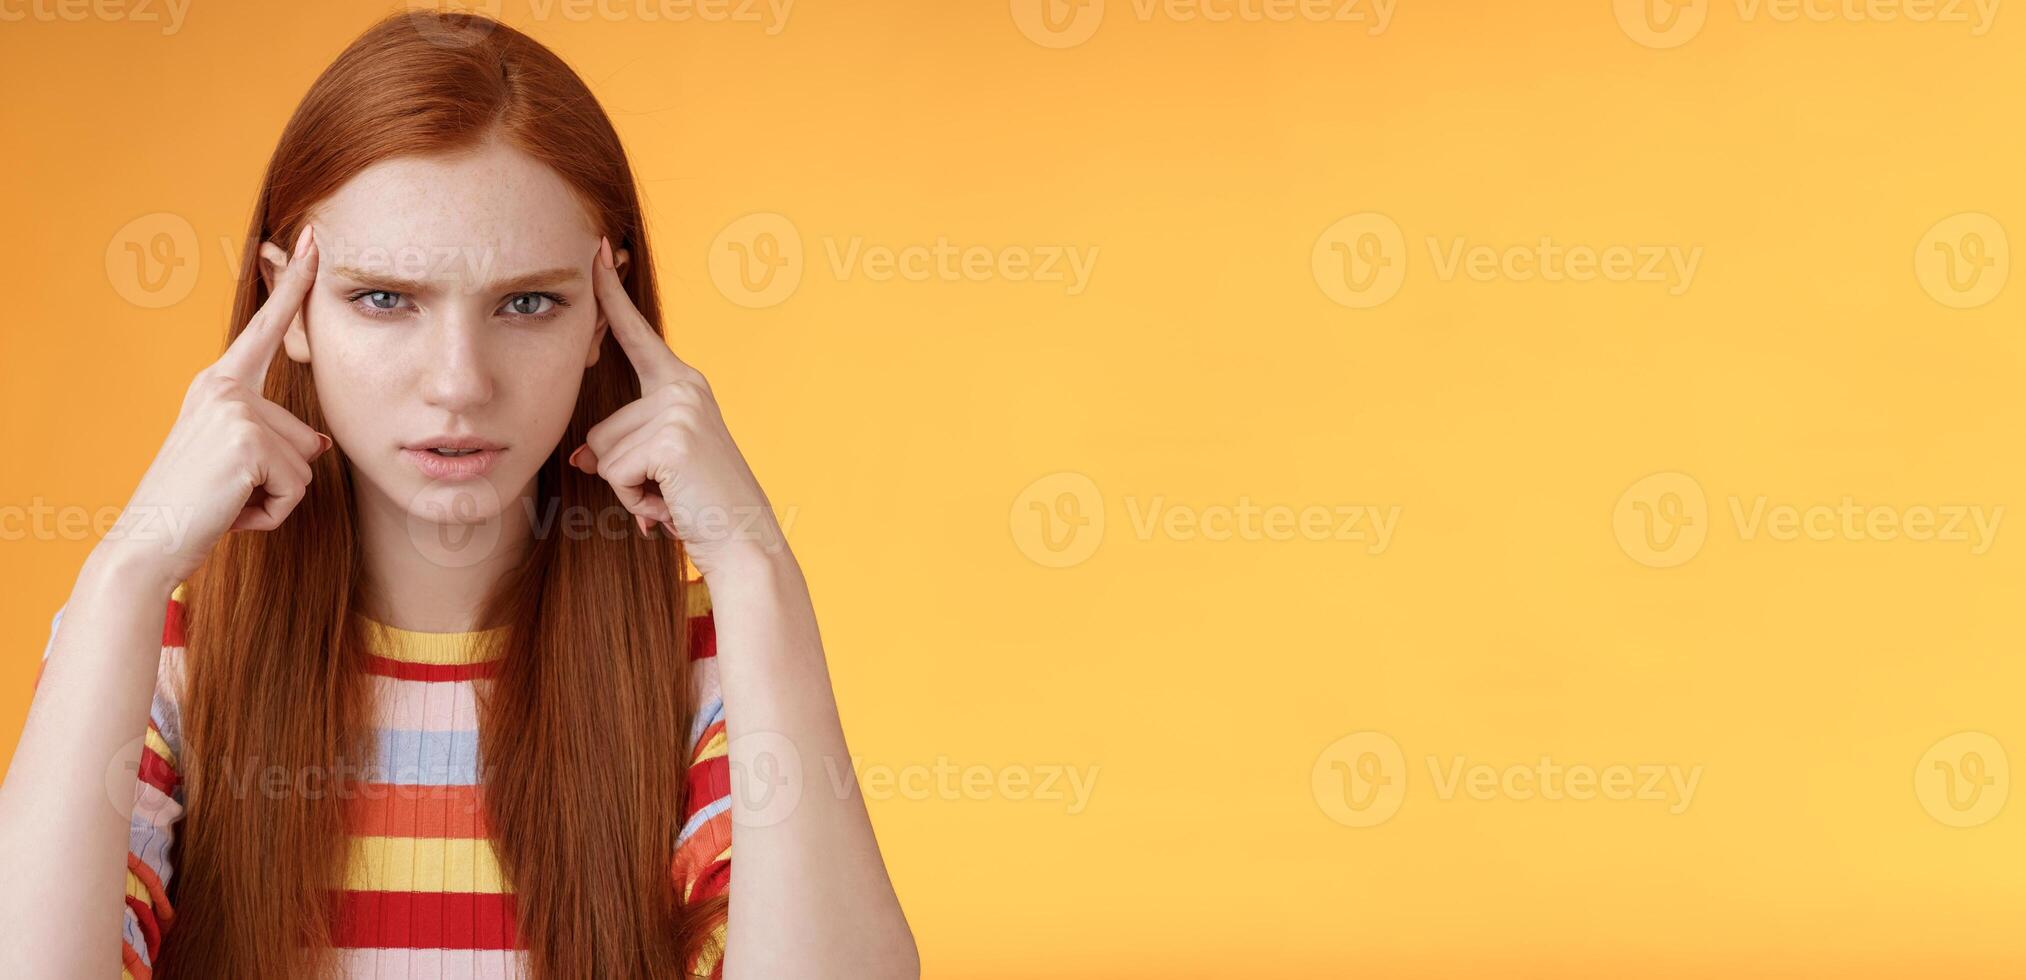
403, 810
714, 882
407, 671
709, 781
151, 932
156, 772
703, 637
172, 626
424, 920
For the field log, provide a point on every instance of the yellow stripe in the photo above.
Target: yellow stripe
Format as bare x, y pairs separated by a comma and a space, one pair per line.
713, 748
182, 589
415, 646
136, 888
712, 951
154, 741
407, 864
696, 600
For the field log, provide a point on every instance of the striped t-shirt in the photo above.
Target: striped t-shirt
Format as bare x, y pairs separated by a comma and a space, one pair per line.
423, 896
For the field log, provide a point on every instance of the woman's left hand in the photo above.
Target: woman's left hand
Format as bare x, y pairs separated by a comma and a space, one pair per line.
668, 455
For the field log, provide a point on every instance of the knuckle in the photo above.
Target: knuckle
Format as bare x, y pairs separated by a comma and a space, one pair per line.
246, 442
217, 386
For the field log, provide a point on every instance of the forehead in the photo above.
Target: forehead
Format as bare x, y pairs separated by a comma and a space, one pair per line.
488, 213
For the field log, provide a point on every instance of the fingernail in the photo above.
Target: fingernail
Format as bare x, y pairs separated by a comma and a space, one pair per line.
579, 451
324, 445
302, 242
605, 251
644, 528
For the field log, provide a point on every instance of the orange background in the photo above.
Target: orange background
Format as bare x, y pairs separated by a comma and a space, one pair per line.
1522, 607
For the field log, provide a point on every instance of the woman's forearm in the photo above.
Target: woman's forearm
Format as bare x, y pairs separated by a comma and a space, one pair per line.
810, 895
63, 822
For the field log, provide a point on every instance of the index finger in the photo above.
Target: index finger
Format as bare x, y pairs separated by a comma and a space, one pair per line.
250, 354
644, 347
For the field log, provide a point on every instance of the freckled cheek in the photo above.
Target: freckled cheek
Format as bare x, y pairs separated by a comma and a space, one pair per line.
362, 373
540, 377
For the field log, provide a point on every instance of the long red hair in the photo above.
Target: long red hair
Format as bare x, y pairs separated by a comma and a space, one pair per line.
582, 730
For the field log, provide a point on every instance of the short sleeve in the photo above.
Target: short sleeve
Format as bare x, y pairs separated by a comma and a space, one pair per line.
703, 850
158, 803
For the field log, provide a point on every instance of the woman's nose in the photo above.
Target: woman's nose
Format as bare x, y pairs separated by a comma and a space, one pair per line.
454, 371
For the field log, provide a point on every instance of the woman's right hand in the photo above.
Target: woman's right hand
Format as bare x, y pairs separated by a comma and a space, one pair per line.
233, 460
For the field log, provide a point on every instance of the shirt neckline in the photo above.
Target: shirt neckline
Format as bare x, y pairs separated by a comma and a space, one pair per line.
421, 647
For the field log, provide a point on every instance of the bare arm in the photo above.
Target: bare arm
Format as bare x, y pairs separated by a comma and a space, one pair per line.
810, 895
232, 460
63, 824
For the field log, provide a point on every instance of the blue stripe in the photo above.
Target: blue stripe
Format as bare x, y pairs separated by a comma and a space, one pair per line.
416, 758
713, 711
717, 806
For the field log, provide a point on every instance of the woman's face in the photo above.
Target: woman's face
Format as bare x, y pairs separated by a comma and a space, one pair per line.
452, 309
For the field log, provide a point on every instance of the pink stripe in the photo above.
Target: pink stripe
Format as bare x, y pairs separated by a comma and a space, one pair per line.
450, 964
427, 706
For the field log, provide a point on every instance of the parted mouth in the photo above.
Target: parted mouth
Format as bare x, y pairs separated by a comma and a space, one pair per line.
453, 446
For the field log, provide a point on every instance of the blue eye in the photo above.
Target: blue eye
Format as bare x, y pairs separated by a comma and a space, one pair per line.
529, 304
378, 302
534, 305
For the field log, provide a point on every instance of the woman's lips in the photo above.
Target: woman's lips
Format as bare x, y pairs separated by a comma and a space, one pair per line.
466, 467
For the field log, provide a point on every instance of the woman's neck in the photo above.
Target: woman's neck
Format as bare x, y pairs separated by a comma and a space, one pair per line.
431, 577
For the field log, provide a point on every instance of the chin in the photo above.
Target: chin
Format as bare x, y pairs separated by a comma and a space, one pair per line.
474, 501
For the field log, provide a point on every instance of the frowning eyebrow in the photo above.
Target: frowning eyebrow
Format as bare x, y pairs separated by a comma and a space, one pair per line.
544, 279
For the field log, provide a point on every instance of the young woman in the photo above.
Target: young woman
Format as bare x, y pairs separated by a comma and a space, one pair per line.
403, 599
